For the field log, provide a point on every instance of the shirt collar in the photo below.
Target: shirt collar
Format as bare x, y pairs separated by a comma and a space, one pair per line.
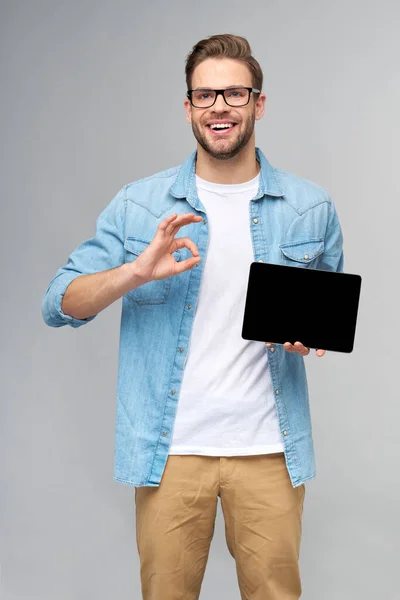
185, 182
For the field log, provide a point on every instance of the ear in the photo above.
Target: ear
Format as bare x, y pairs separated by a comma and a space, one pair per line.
188, 109
260, 107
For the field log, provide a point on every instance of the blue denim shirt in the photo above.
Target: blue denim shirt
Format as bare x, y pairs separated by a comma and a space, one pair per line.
292, 222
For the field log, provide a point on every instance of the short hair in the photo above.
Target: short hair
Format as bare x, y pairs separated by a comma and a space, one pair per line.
224, 46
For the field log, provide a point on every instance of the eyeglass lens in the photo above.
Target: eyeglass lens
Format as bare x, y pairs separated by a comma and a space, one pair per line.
233, 96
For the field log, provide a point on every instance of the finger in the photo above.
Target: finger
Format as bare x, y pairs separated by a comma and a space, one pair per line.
185, 243
320, 352
289, 347
166, 222
176, 221
301, 349
182, 220
269, 344
187, 264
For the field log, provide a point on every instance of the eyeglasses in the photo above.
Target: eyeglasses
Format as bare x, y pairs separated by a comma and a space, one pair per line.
204, 97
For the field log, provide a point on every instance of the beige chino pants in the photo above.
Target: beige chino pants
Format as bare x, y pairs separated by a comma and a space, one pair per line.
263, 522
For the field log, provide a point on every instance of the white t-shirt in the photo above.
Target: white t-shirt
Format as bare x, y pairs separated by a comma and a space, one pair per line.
226, 404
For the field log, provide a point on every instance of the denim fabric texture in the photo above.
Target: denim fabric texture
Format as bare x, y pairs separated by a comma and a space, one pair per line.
292, 222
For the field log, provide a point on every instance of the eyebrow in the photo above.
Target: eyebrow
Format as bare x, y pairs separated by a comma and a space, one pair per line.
230, 87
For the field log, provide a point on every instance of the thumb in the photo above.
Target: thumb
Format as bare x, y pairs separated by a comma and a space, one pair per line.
187, 264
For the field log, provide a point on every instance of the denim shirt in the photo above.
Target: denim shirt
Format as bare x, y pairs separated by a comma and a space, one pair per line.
292, 222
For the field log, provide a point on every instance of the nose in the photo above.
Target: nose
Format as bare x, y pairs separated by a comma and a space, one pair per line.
220, 104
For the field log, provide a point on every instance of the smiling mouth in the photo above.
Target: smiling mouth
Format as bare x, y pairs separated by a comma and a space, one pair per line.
221, 129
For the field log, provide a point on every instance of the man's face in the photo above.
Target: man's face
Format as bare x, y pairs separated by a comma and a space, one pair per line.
218, 74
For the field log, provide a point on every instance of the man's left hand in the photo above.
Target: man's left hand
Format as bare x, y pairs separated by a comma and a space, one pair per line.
298, 347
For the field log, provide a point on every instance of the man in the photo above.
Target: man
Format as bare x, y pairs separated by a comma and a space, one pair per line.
177, 247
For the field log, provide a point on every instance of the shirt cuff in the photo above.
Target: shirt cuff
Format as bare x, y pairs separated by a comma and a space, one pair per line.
61, 286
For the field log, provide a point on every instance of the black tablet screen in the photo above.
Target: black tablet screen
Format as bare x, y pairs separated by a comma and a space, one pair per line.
290, 304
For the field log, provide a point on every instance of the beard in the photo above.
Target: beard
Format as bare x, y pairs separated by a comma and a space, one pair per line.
231, 149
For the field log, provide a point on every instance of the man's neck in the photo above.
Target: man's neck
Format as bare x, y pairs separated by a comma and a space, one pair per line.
239, 169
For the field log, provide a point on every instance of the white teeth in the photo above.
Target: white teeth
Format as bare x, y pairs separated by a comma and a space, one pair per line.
221, 125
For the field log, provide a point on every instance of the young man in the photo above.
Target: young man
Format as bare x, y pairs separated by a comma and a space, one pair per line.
241, 430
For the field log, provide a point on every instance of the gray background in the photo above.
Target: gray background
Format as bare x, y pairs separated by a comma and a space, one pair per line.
91, 99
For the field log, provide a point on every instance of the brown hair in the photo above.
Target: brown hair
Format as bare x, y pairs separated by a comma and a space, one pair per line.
223, 46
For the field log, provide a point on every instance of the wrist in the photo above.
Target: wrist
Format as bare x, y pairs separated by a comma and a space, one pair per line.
131, 277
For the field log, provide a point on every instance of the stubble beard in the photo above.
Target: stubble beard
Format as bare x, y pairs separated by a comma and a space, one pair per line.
234, 149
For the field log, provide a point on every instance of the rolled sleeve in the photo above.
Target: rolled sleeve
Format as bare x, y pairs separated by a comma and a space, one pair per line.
102, 252
52, 312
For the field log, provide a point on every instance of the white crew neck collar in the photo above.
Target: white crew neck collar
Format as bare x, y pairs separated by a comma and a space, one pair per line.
226, 188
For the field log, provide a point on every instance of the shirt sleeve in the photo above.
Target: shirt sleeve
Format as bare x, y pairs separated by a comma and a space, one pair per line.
102, 252
333, 257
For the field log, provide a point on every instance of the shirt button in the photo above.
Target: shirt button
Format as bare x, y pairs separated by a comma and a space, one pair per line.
277, 392
172, 392
261, 260
306, 256
272, 349
285, 432
205, 221
189, 306
180, 349
164, 433
255, 221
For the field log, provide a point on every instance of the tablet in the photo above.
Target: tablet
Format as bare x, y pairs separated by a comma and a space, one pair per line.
294, 304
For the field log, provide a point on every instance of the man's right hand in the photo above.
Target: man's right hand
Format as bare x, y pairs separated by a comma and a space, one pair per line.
157, 261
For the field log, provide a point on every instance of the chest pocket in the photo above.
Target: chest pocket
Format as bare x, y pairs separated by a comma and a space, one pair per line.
302, 253
152, 292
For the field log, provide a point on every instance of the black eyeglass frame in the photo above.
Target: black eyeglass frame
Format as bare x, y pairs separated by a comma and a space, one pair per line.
218, 92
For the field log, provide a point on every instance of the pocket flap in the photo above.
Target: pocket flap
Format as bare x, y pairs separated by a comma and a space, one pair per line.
137, 246
303, 251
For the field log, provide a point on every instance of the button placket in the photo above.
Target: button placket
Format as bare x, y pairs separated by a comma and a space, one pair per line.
284, 432
180, 350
